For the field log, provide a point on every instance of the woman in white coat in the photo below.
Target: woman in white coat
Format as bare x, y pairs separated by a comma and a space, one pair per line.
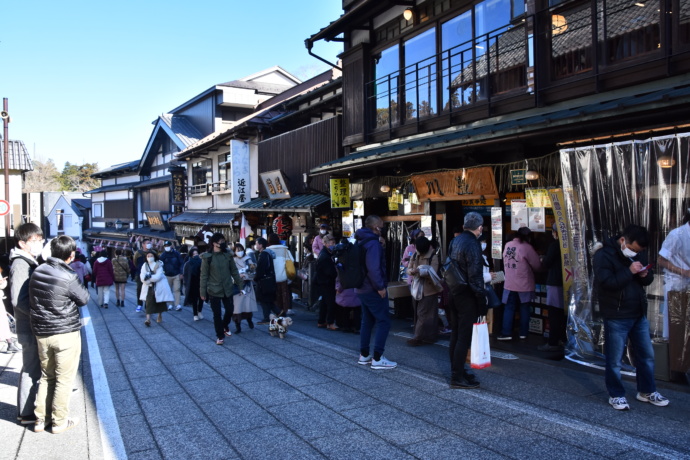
155, 291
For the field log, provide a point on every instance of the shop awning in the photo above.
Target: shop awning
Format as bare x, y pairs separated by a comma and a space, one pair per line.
213, 218
152, 182
149, 232
107, 237
299, 203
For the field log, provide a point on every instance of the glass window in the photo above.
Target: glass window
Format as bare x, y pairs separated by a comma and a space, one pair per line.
385, 93
224, 165
571, 41
457, 61
632, 28
420, 75
201, 172
684, 22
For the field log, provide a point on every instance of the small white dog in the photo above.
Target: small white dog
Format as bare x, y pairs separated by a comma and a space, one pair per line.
279, 325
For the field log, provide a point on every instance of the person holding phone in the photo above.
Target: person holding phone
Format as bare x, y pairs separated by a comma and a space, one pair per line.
410, 251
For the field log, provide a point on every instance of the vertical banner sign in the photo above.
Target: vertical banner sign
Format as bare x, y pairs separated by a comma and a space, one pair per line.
425, 226
496, 232
239, 172
561, 217
340, 193
348, 224
178, 189
358, 208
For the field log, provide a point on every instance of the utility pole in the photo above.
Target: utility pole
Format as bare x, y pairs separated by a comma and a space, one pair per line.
5, 159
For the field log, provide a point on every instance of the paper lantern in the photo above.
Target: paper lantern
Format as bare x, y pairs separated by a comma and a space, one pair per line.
282, 226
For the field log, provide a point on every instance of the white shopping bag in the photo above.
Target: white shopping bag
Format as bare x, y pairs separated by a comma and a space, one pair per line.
481, 354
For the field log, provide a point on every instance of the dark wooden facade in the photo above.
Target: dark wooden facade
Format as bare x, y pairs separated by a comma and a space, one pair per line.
297, 151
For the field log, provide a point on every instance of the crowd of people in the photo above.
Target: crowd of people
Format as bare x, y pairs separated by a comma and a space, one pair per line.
48, 285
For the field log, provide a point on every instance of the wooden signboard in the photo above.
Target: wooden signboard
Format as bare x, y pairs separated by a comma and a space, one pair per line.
461, 184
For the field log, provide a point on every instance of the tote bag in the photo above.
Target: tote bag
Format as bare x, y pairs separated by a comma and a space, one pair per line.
481, 354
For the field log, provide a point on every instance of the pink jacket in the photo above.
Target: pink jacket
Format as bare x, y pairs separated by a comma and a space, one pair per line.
317, 245
520, 261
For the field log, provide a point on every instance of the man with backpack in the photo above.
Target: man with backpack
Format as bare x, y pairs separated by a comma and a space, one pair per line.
373, 294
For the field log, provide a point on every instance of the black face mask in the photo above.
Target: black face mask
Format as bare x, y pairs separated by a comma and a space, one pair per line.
223, 246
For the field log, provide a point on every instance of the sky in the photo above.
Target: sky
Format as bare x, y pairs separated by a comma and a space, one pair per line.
85, 79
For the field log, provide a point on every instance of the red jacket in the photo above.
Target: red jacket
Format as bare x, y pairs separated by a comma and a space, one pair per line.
103, 272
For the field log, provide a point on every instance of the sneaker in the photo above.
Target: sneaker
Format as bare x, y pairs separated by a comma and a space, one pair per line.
178, 308
445, 330
364, 360
138, 309
383, 363
653, 398
227, 332
169, 307
523, 337
619, 403
200, 316
219, 341
196, 318
12, 348
70, 423
105, 305
39, 426
504, 337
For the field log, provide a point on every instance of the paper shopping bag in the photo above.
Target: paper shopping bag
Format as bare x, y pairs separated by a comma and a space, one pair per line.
481, 354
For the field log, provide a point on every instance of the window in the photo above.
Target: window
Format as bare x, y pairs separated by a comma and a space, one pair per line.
683, 21
116, 209
457, 62
201, 172
385, 86
420, 75
155, 199
571, 41
98, 210
631, 28
224, 166
60, 220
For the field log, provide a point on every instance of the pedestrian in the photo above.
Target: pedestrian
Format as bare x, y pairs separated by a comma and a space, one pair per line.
265, 280
317, 245
29, 244
409, 252
373, 294
621, 274
218, 282
92, 262
79, 267
326, 274
139, 259
104, 276
554, 295
120, 275
467, 302
245, 304
674, 258
426, 284
172, 266
192, 275
55, 295
520, 261
350, 308
89, 270
280, 255
6, 335
155, 291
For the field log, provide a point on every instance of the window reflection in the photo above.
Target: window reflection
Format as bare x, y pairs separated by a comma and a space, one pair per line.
420, 75
385, 91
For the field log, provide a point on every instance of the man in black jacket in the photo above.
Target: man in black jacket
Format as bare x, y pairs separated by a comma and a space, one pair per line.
55, 293
467, 303
620, 276
326, 274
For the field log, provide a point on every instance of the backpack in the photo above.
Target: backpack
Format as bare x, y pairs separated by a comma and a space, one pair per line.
351, 264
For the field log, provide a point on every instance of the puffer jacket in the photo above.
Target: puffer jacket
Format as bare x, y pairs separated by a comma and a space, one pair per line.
621, 294
466, 251
375, 261
55, 293
23, 265
103, 272
120, 269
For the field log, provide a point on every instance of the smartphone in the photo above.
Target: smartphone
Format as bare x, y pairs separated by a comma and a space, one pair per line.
646, 267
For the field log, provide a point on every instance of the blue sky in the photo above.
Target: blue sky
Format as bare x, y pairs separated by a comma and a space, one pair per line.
85, 79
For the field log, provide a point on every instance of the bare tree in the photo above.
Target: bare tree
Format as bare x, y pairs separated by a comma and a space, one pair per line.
44, 178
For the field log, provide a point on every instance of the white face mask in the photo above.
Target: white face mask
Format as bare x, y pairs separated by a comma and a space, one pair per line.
483, 246
150, 260
167, 248
148, 245
323, 232
239, 253
627, 252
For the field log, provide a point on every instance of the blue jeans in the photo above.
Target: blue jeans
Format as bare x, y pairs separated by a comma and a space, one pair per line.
509, 316
374, 311
616, 334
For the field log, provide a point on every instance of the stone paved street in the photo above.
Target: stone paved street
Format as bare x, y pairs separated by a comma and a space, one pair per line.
170, 392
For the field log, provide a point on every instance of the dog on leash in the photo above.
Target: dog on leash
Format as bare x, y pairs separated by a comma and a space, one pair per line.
279, 325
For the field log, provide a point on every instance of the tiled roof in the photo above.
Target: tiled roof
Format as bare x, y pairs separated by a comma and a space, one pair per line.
112, 188
18, 156
268, 88
304, 202
182, 127
120, 167
151, 182
191, 217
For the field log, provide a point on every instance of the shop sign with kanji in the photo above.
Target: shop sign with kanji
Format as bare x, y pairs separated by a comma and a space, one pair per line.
340, 193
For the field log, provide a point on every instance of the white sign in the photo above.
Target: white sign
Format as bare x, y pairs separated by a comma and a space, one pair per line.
425, 226
537, 218
518, 214
358, 208
239, 172
348, 224
496, 232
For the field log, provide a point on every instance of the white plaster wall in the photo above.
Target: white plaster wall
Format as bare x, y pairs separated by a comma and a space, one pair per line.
15, 201
128, 179
117, 195
105, 182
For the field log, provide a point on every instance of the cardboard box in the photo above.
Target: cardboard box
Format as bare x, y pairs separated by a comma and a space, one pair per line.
398, 289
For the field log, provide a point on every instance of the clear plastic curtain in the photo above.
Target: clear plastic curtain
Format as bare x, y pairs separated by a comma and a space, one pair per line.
607, 187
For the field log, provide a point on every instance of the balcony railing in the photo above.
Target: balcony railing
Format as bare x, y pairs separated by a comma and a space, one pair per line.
220, 187
198, 190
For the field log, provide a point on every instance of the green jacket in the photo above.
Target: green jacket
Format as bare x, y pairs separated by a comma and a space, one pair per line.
218, 271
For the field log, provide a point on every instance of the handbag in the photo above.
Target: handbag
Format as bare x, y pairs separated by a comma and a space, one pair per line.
290, 270
453, 276
492, 299
480, 357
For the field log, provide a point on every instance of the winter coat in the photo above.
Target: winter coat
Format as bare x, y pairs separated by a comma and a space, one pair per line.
265, 269
466, 251
346, 297
172, 262
80, 269
376, 279
317, 245
553, 263
432, 260
23, 265
281, 253
326, 273
621, 294
218, 275
520, 261
120, 269
103, 272
192, 274
55, 293
157, 281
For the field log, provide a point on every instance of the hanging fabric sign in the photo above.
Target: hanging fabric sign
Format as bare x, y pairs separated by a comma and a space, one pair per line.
340, 193
559, 213
239, 172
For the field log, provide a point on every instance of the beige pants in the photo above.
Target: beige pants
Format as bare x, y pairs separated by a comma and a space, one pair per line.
59, 355
175, 283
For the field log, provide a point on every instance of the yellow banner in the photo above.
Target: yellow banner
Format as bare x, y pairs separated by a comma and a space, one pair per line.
340, 193
538, 198
563, 227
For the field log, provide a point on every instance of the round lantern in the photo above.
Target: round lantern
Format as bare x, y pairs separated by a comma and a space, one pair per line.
282, 226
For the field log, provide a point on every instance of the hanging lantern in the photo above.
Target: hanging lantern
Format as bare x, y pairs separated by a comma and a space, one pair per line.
282, 226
